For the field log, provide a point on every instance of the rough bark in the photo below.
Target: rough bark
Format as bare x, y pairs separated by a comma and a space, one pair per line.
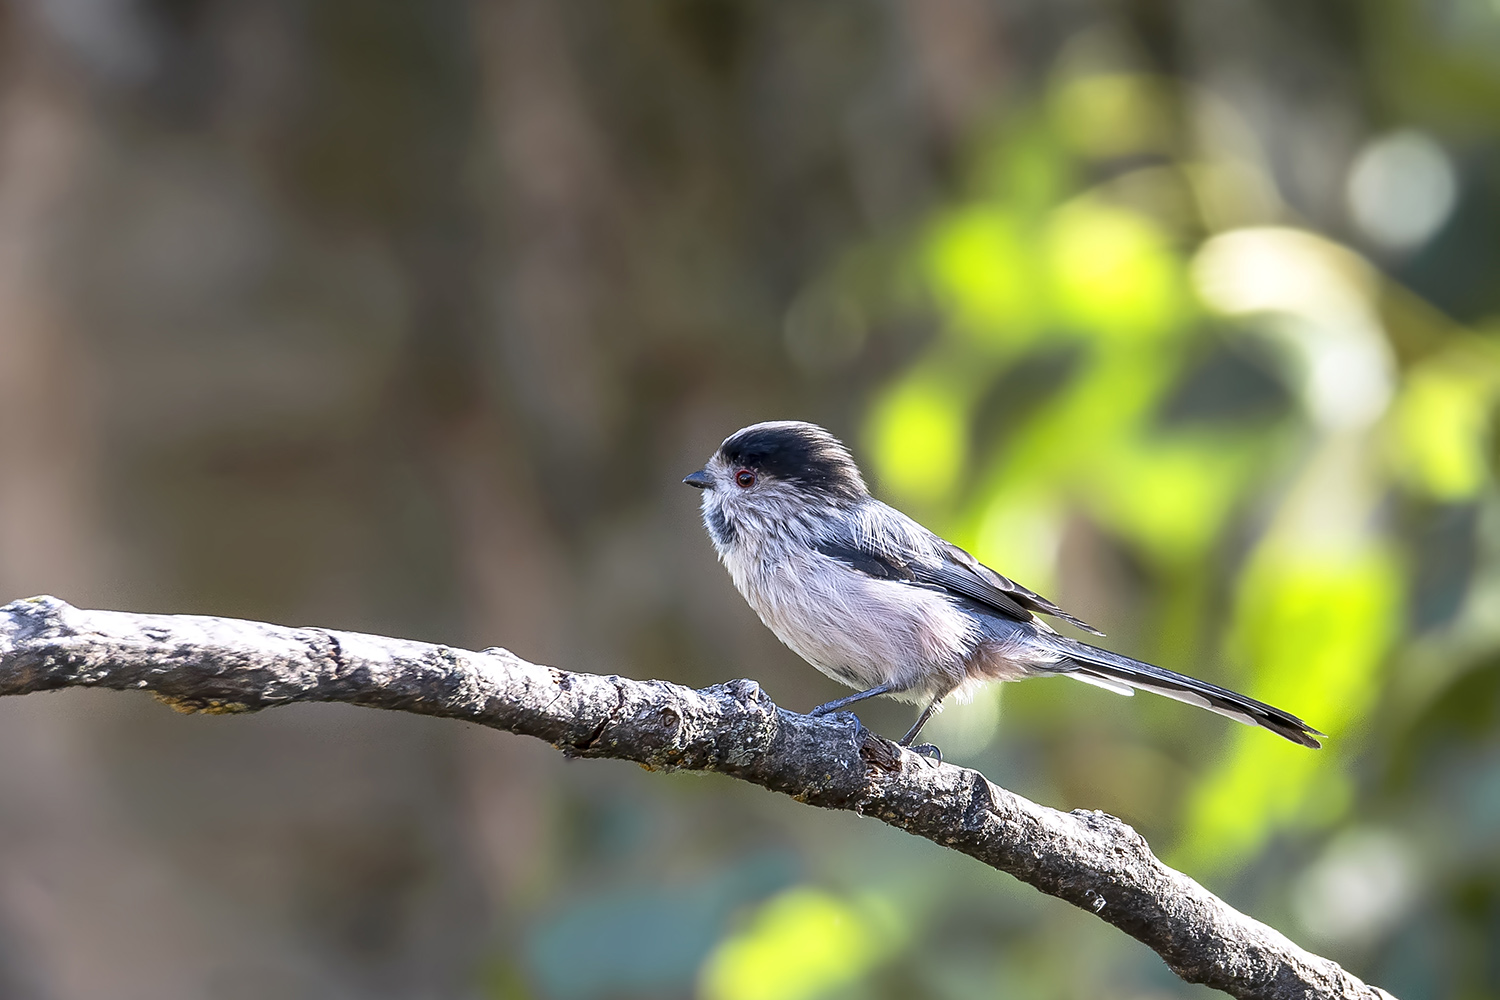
1087, 858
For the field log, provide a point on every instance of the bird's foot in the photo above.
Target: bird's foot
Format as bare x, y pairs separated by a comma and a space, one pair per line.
838, 703
928, 750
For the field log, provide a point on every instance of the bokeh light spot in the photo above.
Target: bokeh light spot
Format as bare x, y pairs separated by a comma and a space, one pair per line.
1362, 884
1111, 272
982, 273
1402, 188
800, 944
1316, 626
1442, 429
918, 438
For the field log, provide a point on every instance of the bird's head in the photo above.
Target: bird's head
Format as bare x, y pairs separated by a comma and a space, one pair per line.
773, 475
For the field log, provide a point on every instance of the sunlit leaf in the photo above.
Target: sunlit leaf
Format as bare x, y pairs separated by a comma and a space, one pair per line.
1315, 626
799, 945
981, 266
1111, 271
918, 438
1109, 400
1442, 425
1169, 495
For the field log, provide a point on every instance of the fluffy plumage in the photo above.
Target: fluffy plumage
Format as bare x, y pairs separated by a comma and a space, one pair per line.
876, 601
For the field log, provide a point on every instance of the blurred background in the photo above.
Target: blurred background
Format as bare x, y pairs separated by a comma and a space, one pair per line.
409, 317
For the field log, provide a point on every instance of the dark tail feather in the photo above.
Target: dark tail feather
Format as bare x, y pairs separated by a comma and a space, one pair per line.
1101, 664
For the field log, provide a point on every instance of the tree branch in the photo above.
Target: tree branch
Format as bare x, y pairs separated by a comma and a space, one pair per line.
1089, 859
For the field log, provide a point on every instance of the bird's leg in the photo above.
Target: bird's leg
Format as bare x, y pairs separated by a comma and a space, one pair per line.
925, 749
834, 706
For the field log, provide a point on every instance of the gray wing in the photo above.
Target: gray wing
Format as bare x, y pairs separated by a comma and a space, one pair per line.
963, 574
891, 546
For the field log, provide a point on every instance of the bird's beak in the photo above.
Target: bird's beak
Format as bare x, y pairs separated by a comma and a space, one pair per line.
699, 480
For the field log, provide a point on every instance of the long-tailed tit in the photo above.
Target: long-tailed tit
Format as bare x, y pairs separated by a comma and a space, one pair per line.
876, 601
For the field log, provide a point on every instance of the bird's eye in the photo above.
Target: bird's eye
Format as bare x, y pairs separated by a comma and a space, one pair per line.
745, 478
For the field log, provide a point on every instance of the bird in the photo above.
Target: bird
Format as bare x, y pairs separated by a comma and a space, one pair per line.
877, 602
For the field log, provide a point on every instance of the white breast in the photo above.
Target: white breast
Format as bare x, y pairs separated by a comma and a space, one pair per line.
859, 630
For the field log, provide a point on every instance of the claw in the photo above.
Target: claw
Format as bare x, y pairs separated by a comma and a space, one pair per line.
928, 750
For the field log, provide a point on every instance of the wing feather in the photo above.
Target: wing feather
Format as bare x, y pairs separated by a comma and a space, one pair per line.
963, 574
908, 553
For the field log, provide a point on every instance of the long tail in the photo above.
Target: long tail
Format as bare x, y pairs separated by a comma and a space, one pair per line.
1120, 674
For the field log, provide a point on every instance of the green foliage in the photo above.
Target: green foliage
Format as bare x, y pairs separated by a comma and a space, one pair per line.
1235, 434
1138, 294
800, 945
1155, 370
